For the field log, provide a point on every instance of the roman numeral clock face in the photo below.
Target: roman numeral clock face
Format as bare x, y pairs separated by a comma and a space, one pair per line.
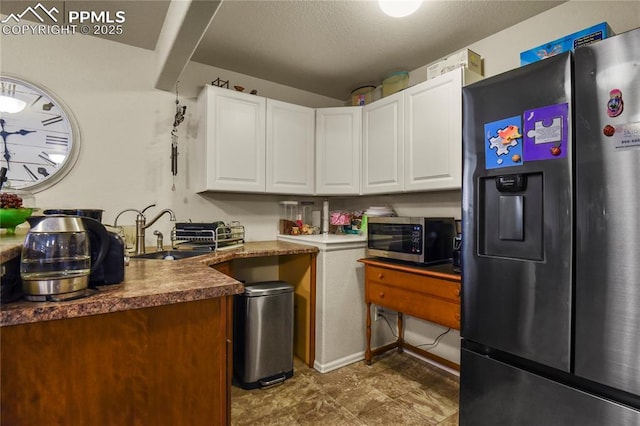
40, 138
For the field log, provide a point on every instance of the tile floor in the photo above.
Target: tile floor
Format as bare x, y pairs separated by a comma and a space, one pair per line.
397, 389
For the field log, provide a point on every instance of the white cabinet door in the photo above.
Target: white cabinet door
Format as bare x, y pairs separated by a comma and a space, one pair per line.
433, 134
230, 153
290, 148
382, 140
338, 150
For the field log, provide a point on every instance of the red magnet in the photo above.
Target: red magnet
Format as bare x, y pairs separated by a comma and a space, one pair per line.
615, 104
555, 151
608, 130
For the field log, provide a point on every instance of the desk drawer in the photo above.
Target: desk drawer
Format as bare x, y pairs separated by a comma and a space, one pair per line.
419, 305
415, 283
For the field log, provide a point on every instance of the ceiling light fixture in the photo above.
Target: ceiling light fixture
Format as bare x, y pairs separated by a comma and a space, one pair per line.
399, 8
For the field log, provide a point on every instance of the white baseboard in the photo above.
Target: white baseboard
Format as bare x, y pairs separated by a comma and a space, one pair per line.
432, 362
339, 363
343, 362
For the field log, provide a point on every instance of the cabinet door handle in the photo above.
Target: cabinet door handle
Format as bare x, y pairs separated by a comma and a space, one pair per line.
380, 276
381, 295
457, 292
457, 317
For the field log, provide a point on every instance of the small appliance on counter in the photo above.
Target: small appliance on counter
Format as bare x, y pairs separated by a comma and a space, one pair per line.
56, 258
207, 236
421, 240
111, 269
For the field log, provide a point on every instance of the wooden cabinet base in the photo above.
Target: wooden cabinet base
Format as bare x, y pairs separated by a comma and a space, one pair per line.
161, 365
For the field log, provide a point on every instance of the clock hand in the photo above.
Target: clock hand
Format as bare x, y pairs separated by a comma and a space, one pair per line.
30, 173
5, 134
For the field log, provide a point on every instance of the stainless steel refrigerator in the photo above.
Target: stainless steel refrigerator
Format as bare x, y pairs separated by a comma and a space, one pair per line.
551, 241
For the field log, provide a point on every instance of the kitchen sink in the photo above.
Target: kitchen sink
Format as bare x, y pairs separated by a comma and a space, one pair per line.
170, 254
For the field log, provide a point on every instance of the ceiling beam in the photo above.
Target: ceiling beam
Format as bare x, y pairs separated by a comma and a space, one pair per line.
184, 26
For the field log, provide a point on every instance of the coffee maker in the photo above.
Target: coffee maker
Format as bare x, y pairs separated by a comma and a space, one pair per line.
111, 271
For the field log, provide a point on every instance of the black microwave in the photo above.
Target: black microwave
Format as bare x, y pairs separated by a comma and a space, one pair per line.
423, 240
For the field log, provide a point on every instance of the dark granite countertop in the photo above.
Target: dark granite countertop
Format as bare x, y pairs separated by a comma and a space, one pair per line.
147, 283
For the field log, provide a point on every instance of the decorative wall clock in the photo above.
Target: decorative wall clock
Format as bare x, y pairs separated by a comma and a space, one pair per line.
40, 136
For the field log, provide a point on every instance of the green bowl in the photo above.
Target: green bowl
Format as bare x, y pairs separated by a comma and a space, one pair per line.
10, 218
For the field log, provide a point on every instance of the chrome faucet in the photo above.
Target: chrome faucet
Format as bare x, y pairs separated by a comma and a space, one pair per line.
142, 225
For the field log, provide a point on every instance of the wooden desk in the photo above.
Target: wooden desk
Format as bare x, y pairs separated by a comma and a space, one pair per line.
428, 293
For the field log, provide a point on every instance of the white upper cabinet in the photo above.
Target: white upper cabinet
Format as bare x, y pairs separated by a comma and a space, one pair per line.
433, 133
408, 141
289, 148
383, 145
338, 150
230, 153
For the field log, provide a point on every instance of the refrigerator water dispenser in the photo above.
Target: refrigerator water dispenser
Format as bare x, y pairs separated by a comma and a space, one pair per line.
511, 216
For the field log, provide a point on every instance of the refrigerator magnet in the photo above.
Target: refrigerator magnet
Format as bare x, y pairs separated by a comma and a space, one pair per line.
625, 136
615, 104
503, 143
546, 132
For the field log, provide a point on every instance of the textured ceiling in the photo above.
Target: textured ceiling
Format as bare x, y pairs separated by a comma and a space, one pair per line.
332, 47
328, 47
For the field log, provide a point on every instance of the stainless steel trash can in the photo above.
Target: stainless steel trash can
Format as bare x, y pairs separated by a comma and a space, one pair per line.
263, 334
